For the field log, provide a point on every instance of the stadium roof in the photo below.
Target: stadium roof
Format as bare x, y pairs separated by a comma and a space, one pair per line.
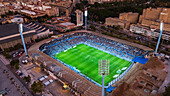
9, 32
10, 29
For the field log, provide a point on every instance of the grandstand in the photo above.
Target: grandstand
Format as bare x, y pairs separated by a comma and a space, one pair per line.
106, 46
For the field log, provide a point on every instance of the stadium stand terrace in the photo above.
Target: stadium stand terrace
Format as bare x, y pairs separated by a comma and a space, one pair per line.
120, 49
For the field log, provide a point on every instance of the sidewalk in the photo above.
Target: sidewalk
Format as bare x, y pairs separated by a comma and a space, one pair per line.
4, 60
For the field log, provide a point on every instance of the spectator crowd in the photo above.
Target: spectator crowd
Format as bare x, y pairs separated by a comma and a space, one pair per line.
110, 46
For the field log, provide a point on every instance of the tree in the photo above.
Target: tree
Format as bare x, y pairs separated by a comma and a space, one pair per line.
103, 27
11, 49
15, 63
113, 30
73, 29
96, 5
81, 27
27, 78
37, 87
17, 66
7, 50
118, 27
6, 55
16, 12
18, 46
93, 28
167, 91
84, 2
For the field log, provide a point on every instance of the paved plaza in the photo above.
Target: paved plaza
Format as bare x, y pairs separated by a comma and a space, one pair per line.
14, 89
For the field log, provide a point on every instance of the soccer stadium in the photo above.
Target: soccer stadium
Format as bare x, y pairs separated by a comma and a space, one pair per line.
82, 51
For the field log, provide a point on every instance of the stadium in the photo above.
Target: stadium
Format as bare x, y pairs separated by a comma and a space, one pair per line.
81, 52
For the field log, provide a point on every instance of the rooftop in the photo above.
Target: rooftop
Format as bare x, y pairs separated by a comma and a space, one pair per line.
10, 32
10, 29
67, 24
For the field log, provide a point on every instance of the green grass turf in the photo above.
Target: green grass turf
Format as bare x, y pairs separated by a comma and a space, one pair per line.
85, 59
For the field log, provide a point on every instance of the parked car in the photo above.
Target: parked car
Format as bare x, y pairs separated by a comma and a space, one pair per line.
20, 53
24, 61
50, 80
42, 78
18, 72
22, 76
46, 83
15, 54
45, 76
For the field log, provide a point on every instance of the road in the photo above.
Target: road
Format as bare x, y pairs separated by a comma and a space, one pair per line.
3, 83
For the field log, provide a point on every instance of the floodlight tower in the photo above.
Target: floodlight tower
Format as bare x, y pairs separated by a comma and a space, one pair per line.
22, 37
103, 70
85, 13
161, 29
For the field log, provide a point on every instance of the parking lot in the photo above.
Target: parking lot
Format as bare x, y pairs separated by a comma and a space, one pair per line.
16, 54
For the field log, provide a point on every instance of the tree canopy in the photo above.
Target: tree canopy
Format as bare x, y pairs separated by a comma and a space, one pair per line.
167, 91
100, 11
15, 63
37, 87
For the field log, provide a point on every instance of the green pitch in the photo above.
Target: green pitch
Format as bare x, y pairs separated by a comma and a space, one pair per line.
85, 59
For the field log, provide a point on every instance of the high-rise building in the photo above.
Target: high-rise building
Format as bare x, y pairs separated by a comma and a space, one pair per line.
79, 17
67, 12
130, 17
151, 17
124, 20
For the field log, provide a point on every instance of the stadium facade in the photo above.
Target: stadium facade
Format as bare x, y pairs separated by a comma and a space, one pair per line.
10, 36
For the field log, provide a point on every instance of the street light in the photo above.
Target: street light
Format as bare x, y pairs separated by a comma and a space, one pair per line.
161, 29
85, 13
22, 37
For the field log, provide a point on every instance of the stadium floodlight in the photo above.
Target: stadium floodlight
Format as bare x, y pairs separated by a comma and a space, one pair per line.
161, 29
103, 69
85, 13
22, 37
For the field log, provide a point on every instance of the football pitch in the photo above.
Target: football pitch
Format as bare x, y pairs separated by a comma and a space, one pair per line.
85, 58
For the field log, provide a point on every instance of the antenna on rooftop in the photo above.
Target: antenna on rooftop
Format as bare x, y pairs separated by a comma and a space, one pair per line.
22, 37
161, 29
